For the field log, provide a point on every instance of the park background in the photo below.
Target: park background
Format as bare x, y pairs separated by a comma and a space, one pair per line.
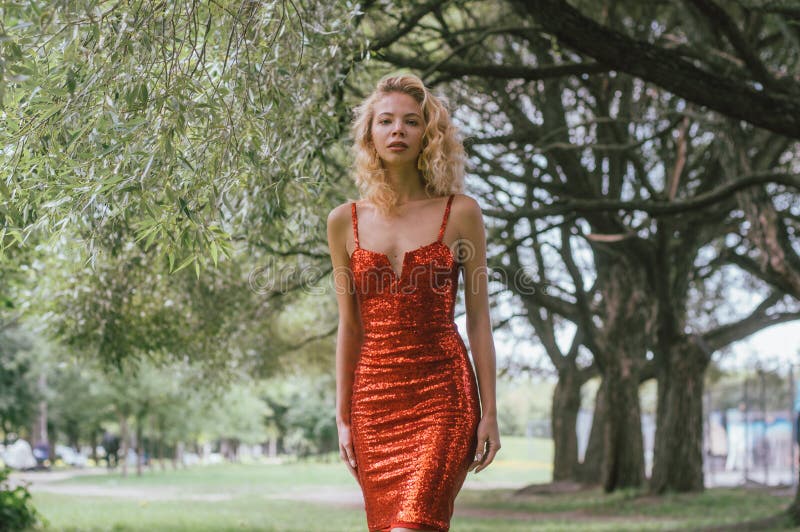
167, 169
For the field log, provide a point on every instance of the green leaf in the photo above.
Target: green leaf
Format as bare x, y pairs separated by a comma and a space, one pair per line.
143, 95
186, 210
214, 252
150, 239
185, 263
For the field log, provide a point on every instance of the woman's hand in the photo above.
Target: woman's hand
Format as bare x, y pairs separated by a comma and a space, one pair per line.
488, 443
346, 447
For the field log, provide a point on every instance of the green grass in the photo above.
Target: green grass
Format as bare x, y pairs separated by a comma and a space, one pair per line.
242, 513
520, 460
258, 513
632, 510
230, 478
270, 497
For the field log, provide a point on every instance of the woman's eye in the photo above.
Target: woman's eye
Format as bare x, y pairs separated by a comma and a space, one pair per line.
386, 120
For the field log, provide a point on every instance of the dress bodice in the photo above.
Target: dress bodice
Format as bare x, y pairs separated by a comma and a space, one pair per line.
421, 297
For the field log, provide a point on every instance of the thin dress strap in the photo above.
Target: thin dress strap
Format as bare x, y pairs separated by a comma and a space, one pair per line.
444, 220
354, 215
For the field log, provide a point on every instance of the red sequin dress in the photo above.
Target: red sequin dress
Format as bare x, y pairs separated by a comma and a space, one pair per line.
415, 407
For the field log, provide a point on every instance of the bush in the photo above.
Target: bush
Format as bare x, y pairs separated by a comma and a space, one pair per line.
16, 510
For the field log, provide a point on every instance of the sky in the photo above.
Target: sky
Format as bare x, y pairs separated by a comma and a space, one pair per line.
778, 345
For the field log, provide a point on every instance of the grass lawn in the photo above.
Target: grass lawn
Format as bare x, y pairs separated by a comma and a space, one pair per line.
314, 495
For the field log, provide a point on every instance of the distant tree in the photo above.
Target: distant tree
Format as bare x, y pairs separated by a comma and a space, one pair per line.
79, 402
18, 391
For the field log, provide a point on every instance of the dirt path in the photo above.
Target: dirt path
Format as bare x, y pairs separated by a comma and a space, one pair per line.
43, 477
140, 494
47, 482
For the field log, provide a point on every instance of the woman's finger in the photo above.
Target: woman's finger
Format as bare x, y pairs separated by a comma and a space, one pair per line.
347, 462
351, 455
489, 458
480, 454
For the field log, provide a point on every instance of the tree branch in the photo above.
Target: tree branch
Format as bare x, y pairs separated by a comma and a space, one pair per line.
719, 18
653, 207
756, 321
459, 68
778, 112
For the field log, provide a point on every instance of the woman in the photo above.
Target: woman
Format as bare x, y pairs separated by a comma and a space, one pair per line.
411, 424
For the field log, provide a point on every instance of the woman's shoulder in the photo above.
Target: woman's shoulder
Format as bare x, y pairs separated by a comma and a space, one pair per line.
464, 205
340, 212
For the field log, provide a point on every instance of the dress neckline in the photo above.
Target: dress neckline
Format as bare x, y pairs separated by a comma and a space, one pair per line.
397, 277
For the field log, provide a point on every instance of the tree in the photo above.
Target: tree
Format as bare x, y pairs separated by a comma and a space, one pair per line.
741, 72
18, 392
180, 119
300, 406
79, 402
238, 416
172, 149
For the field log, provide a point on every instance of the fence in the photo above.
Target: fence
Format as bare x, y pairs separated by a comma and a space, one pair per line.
750, 429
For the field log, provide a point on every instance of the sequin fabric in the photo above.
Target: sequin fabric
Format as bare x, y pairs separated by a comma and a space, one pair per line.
415, 407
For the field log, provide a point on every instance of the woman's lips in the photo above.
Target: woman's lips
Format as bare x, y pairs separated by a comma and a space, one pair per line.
397, 147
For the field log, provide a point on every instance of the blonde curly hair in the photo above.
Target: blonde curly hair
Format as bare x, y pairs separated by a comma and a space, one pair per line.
441, 160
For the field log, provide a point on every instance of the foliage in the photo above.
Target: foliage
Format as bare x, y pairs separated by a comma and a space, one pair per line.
16, 510
238, 414
302, 411
79, 401
522, 403
128, 306
18, 393
177, 401
753, 389
153, 139
178, 119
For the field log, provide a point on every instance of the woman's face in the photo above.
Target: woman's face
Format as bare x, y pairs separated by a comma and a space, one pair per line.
397, 121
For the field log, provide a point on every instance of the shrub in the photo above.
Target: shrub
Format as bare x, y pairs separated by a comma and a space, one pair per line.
16, 510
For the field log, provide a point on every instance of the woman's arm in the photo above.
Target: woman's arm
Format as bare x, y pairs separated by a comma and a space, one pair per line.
472, 251
350, 333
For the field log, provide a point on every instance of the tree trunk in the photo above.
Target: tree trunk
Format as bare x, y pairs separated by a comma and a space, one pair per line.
123, 429
39, 432
563, 419
93, 441
139, 446
623, 448
179, 450
794, 508
156, 449
619, 347
678, 454
590, 470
